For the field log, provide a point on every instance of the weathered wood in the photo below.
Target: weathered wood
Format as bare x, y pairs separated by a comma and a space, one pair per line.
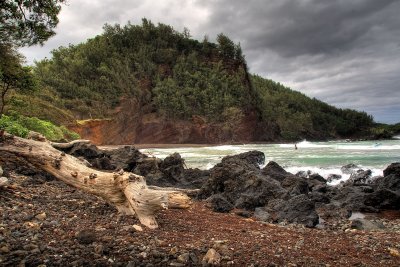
70, 144
128, 192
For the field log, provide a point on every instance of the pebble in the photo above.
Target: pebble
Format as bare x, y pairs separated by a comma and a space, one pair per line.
4, 249
85, 236
212, 257
137, 228
183, 258
99, 249
394, 252
41, 216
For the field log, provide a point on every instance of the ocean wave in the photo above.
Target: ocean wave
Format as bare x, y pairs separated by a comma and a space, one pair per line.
369, 147
325, 172
305, 144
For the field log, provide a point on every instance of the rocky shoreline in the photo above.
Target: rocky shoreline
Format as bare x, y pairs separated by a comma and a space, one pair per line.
242, 216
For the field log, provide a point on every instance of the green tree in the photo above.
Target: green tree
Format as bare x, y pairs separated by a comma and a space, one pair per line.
28, 22
13, 75
226, 46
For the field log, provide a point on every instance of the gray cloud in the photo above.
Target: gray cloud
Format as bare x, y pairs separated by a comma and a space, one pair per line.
346, 53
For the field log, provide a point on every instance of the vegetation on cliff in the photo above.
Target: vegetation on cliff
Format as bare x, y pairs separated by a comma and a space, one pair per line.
169, 73
20, 126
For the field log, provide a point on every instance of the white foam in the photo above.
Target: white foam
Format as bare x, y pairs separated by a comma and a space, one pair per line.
325, 172
368, 147
305, 144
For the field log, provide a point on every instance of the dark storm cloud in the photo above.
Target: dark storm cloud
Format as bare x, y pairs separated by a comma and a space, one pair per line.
344, 52
297, 27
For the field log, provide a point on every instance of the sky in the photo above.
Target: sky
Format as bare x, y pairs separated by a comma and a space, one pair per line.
346, 53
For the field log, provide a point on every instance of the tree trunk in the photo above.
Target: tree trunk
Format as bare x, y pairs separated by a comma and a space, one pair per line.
128, 192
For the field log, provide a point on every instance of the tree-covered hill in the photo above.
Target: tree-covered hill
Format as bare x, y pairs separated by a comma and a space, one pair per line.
179, 81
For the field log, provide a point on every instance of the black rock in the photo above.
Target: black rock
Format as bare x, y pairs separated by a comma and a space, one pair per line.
349, 168
240, 181
360, 177
299, 209
275, 171
86, 236
220, 204
333, 177
295, 185
317, 177
383, 199
255, 158
261, 214
393, 168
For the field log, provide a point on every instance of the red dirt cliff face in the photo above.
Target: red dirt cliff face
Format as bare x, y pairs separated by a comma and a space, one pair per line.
130, 126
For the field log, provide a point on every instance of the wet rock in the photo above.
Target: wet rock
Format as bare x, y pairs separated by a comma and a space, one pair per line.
349, 168
359, 177
367, 225
333, 177
85, 236
303, 174
316, 177
212, 257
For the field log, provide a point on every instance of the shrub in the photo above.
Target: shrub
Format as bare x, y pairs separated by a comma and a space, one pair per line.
20, 126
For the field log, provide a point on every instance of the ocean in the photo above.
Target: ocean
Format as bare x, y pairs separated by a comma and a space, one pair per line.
324, 158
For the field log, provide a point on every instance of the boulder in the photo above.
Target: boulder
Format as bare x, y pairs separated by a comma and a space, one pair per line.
360, 177
172, 168
262, 214
125, 158
295, 185
275, 171
85, 150
316, 177
219, 203
240, 181
393, 168
299, 209
349, 168
254, 158
367, 225
383, 199
333, 177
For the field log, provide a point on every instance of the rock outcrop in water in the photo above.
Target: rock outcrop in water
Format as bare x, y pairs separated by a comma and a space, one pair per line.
237, 182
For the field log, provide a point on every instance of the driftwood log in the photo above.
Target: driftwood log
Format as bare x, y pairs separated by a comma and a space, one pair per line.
128, 192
